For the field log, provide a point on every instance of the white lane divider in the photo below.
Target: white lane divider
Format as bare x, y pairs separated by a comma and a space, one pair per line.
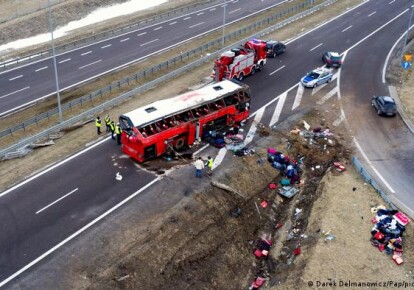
125, 39
56, 201
85, 53
172, 23
347, 28
15, 78
40, 69
65, 60
316, 47
89, 64
195, 25
105, 46
276, 70
142, 33
278, 109
154, 40
369, 15
12, 93
328, 96
186, 18
201, 13
157, 28
212, 9
298, 98
233, 11
253, 127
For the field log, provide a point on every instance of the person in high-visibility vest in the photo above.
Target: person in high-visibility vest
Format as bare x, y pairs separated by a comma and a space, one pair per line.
107, 123
98, 124
209, 164
112, 128
118, 132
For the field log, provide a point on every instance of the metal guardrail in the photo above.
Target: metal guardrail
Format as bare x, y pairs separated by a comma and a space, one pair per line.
100, 36
371, 181
90, 113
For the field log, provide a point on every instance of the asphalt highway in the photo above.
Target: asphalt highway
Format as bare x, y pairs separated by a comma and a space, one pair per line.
24, 85
46, 210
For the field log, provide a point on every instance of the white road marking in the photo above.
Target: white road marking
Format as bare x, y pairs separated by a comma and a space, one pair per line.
187, 18
85, 53
77, 233
89, 64
253, 128
42, 68
219, 158
318, 88
105, 46
347, 28
198, 24
18, 77
9, 94
298, 98
56, 201
392, 2
125, 39
278, 110
158, 28
316, 46
201, 149
65, 60
341, 118
172, 23
369, 15
276, 70
234, 11
154, 40
212, 9
201, 13
142, 33
327, 96
372, 166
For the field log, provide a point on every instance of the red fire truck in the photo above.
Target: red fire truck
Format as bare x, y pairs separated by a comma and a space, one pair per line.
177, 122
240, 62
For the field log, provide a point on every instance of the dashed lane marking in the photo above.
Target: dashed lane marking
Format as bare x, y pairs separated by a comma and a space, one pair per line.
15, 78
89, 64
154, 40
40, 69
65, 60
12, 93
195, 25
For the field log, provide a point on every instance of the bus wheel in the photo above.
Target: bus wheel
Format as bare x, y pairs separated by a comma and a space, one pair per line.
169, 149
253, 71
179, 144
240, 78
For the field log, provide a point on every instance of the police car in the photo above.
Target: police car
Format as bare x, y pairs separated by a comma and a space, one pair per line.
317, 77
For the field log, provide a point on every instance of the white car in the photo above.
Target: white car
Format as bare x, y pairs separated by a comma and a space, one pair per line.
317, 77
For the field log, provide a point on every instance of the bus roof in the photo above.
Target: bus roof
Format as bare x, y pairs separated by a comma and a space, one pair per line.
180, 103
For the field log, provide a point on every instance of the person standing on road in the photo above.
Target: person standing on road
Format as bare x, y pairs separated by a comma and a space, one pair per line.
209, 164
199, 165
98, 124
112, 128
118, 132
107, 123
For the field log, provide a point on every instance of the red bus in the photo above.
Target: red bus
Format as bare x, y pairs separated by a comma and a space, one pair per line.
177, 122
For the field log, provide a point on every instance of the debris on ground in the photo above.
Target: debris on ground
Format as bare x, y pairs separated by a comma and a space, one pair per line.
387, 233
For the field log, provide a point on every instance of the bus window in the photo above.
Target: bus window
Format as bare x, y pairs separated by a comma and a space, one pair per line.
143, 133
217, 105
231, 100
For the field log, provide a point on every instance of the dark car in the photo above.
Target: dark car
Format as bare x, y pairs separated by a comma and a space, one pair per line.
274, 48
332, 59
384, 105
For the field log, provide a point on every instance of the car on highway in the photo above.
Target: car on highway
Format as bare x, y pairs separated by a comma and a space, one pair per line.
274, 47
384, 105
333, 59
317, 77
